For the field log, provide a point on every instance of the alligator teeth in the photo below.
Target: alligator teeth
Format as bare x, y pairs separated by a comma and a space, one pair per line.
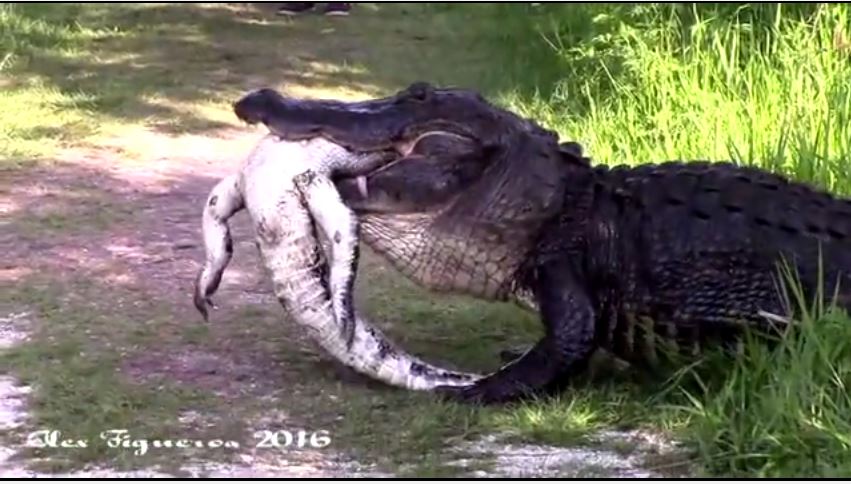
361, 181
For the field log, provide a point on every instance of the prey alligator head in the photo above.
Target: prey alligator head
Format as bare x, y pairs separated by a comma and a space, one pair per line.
467, 192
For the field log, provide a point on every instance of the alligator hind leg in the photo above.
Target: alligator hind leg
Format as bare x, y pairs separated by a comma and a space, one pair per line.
568, 316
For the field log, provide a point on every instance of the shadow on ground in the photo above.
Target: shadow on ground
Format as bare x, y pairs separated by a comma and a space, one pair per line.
151, 62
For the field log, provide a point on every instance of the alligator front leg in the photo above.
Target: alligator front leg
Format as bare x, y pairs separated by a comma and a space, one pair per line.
568, 316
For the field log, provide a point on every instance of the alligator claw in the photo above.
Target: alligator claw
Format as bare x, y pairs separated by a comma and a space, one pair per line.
482, 392
201, 304
461, 394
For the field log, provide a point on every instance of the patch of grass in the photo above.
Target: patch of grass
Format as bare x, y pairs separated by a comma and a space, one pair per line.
73, 215
781, 410
410, 433
762, 84
78, 389
197, 334
69, 223
76, 74
567, 419
79, 394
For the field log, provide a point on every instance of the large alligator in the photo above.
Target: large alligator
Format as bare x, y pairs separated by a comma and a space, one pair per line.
610, 257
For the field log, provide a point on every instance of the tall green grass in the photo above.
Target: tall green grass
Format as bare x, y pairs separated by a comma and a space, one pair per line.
781, 411
761, 84
781, 407
38, 114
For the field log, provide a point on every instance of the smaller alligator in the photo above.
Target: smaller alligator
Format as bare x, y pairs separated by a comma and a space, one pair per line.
286, 186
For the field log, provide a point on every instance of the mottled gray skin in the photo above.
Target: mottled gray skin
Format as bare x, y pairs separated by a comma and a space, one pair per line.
309, 169
609, 257
286, 188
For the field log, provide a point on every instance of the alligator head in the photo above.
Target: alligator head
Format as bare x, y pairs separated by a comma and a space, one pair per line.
465, 198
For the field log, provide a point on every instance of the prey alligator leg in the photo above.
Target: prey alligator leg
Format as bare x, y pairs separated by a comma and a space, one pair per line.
224, 200
568, 316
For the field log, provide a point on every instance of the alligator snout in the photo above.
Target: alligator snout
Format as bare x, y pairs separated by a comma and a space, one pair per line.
252, 108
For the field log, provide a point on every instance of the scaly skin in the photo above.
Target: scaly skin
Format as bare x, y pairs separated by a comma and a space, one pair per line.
610, 257
286, 187
684, 252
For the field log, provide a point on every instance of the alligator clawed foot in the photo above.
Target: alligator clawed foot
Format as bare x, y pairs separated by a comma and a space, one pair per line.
203, 305
483, 392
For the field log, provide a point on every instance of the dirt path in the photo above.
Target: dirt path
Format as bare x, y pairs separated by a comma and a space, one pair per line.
98, 330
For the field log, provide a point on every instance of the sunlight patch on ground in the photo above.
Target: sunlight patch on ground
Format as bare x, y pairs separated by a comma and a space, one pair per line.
145, 153
602, 460
13, 274
8, 206
13, 395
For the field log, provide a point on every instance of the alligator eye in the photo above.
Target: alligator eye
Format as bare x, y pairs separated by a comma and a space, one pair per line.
420, 91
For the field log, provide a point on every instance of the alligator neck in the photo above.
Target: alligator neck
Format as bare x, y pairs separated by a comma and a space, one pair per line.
487, 254
473, 262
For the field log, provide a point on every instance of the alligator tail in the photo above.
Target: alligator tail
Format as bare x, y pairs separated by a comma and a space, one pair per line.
224, 200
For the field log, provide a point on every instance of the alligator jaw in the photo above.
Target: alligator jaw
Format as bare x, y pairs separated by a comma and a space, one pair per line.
470, 186
383, 123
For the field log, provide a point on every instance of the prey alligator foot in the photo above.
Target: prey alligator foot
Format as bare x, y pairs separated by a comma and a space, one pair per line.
204, 305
